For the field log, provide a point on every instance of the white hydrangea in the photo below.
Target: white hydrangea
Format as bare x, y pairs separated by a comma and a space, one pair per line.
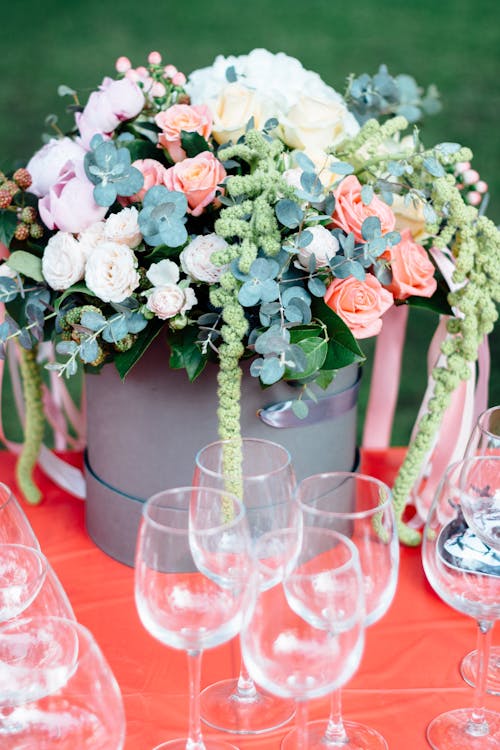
111, 272
63, 261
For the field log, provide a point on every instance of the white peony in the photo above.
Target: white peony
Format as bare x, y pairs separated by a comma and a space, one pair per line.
323, 246
63, 261
170, 300
111, 272
45, 166
123, 227
92, 237
196, 258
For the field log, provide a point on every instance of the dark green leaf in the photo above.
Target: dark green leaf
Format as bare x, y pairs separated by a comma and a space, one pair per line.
124, 361
193, 143
8, 224
185, 353
343, 349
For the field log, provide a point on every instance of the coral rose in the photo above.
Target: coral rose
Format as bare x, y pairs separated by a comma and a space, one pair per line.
412, 269
178, 118
154, 174
360, 304
350, 211
198, 178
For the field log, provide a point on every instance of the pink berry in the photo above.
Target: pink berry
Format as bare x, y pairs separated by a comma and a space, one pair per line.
158, 89
462, 166
170, 71
123, 64
132, 74
474, 198
179, 79
142, 71
154, 58
470, 176
482, 186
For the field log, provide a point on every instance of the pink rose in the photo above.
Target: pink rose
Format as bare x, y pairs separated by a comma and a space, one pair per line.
69, 204
112, 103
412, 269
45, 165
153, 172
198, 178
350, 211
196, 119
360, 304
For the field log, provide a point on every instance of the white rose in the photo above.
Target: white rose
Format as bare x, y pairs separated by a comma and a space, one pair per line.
6, 270
170, 300
234, 107
196, 258
314, 123
123, 227
111, 272
63, 261
45, 166
91, 238
163, 273
323, 246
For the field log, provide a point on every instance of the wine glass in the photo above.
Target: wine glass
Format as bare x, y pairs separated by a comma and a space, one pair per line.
261, 473
14, 525
193, 577
56, 689
28, 586
305, 636
465, 573
485, 441
360, 507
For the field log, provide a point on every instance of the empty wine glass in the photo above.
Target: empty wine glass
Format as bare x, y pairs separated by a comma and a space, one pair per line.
14, 525
465, 573
304, 637
56, 689
360, 507
261, 473
193, 577
485, 441
28, 586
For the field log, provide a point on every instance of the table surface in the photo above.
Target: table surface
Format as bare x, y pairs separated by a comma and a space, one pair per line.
409, 671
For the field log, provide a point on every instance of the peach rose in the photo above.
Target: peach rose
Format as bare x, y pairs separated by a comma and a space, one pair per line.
350, 211
192, 119
360, 304
412, 269
198, 178
153, 173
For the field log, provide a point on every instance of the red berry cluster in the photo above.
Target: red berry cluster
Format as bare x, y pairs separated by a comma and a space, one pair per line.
11, 188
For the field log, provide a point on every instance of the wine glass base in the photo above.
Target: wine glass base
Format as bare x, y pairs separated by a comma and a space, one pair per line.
222, 709
449, 731
468, 670
360, 737
209, 744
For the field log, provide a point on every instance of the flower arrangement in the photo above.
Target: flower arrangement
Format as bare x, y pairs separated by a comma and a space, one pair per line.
248, 211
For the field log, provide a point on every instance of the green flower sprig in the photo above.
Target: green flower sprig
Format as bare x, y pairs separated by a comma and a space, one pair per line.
34, 424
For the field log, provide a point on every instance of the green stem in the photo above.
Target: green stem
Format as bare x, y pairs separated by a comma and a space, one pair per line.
34, 425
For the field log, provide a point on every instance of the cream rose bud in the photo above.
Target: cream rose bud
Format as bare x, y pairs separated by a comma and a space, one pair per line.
63, 261
170, 300
123, 227
233, 109
323, 246
111, 272
314, 123
196, 258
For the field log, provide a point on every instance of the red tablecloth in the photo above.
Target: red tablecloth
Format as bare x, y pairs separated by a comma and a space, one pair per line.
408, 675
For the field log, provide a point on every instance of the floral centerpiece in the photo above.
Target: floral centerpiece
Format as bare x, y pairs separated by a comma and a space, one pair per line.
248, 212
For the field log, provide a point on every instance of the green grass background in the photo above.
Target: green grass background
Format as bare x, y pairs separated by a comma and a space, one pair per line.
452, 43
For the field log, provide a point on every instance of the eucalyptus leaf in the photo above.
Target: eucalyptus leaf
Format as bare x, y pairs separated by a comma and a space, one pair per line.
93, 321
300, 408
272, 370
89, 350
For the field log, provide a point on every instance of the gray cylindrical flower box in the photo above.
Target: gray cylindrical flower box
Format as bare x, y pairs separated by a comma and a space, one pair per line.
143, 435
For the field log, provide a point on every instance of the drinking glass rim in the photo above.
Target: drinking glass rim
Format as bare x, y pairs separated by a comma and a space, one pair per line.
460, 466
272, 472
150, 502
8, 494
37, 552
355, 514
480, 420
355, 558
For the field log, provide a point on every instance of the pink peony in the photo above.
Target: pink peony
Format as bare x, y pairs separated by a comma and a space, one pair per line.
412, 269
350, 211
196, 119
360, 304
45, 165
70, 205
198, 178
112, 103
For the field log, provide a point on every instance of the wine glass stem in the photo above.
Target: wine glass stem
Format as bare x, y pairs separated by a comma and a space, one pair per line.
195, 739
245, 690
477, 725
301, 724
335, 734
